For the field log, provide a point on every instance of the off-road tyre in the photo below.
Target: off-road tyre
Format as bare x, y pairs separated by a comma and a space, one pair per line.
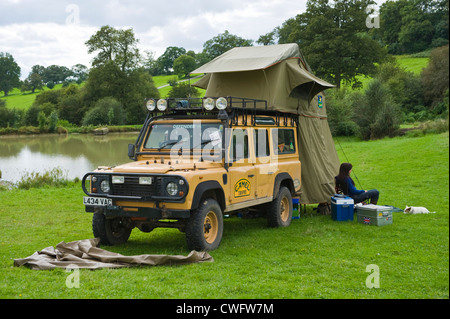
204, 228
280, 210
111, 231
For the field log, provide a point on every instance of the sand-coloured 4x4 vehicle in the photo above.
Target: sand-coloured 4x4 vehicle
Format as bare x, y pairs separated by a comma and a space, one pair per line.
240, 147
202, 159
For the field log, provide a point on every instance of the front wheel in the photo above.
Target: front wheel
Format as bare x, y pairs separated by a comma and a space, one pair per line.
114, 231
280, 210
205, 227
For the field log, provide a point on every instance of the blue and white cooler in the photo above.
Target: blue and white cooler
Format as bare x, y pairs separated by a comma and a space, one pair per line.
342, 207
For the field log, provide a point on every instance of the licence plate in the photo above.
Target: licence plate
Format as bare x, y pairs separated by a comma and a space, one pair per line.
97, 201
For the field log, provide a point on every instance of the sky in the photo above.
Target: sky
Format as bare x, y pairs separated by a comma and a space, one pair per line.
47, 32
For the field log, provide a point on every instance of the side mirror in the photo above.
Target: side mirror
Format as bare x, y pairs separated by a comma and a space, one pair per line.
131, 151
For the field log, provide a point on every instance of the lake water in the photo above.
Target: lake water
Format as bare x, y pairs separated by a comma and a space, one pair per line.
75, 154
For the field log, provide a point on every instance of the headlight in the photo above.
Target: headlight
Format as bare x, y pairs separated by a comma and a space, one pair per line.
208, 104
162, 105
145, 180
221, 103
172, 189
118, 179
104, 186
151, 105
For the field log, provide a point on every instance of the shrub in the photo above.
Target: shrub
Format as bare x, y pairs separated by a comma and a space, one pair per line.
54, 177
107, 111
340, 112
376, 114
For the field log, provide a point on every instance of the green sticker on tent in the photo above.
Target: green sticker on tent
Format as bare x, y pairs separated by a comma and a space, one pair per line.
319, 101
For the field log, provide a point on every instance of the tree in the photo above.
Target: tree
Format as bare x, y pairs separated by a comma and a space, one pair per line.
267, 39
168, 58
9, 73
222, 43
435, 76
129, 88
413, 25
183, 65
80, 72
376, 114
183, 90
55, 73
334, 39
113, 45
34, 80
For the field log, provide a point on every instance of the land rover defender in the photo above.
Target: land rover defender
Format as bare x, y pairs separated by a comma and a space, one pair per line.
194, 161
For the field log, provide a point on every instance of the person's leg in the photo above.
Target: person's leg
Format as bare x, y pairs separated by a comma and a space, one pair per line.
372, 194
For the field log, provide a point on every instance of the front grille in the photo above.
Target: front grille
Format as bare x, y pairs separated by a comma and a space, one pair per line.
131, 187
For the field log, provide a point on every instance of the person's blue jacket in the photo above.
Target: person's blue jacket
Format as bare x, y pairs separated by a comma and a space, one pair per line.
352, 191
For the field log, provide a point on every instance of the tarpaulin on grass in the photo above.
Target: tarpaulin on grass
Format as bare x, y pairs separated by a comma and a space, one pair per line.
86, 254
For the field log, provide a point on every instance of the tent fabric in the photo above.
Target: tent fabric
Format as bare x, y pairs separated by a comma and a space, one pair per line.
317, 153
281, 85
86, 254
280, 75
250, 58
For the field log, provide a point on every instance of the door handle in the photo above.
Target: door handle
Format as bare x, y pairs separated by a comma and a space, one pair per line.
251, 175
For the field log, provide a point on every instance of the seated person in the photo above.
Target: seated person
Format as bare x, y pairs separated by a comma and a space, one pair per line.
282, 148
346, 184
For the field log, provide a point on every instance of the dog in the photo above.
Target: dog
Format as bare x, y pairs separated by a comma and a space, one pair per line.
416, 210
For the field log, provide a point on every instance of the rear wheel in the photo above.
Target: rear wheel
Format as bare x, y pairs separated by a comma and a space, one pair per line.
205, 227
280, 211
112, 231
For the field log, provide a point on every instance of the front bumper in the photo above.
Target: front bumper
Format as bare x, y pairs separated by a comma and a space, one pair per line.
141, 212
131, 189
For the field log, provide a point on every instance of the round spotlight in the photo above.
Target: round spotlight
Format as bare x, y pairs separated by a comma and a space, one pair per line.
151, 105
208, 104
221, 103
161, 105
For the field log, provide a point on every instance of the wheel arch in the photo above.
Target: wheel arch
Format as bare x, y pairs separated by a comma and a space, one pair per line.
283, 179
208, 189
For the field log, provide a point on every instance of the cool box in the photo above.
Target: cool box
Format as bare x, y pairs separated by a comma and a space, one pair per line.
374, 215
342, 207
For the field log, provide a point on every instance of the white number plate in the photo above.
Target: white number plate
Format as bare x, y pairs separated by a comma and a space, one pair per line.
97, 201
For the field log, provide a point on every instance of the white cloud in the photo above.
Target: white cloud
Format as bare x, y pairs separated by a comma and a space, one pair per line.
45, 44
38, 32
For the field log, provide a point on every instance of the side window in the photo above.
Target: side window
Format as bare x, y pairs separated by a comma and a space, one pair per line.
240, 144
261, 139
283, 141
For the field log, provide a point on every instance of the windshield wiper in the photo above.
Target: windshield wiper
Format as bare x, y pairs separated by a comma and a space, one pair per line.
202, 143
167, 143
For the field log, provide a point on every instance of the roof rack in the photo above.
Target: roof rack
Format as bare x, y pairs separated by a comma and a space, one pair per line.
225, 108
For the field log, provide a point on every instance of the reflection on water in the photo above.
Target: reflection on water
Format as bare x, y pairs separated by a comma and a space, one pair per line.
75, 154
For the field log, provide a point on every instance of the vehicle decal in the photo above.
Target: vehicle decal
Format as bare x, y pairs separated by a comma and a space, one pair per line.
242, 188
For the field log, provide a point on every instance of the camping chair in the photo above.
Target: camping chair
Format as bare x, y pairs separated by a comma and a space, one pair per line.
338, 190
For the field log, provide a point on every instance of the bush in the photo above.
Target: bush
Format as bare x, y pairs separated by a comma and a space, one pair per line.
376, 114
55, 177
107, 111
340, 112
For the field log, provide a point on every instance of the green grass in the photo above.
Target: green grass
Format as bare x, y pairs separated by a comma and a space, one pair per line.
313, 258
412, 64
23, 100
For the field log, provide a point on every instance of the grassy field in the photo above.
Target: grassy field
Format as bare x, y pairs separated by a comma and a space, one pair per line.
313, 258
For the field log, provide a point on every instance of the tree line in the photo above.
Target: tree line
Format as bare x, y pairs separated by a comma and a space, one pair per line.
332, 35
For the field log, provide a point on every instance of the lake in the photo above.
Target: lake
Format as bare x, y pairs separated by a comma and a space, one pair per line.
75, 154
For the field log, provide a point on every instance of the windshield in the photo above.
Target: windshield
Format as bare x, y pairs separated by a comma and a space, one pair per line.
185, 135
